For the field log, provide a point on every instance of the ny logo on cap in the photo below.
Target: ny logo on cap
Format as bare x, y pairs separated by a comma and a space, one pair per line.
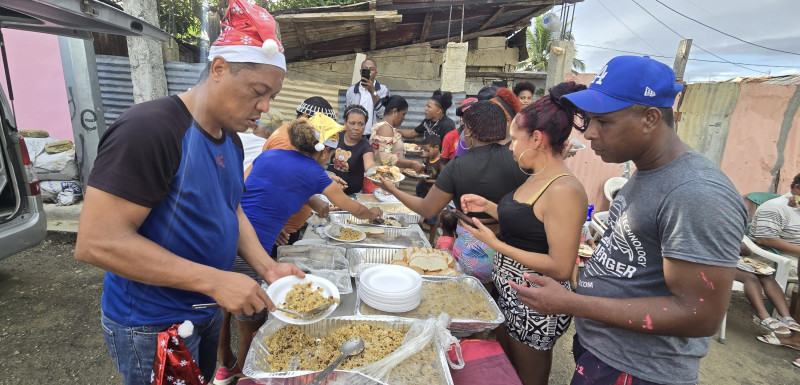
599, 78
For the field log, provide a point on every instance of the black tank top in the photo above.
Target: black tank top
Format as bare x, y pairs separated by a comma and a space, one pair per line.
519, 226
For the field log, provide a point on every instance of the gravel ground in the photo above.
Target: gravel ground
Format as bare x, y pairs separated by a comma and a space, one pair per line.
50, 329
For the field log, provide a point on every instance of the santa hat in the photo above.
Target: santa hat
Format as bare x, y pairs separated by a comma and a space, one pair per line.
326, 130
248, 36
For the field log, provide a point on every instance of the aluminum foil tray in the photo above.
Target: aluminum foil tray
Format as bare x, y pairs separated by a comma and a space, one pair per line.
346, 218
392, 207
329, 262
391, 239
256, 366
459, 327
362, 258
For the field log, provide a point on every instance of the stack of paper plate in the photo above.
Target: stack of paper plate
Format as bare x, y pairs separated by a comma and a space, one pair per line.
390, 288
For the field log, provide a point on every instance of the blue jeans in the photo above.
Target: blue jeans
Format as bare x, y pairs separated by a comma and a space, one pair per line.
134, 348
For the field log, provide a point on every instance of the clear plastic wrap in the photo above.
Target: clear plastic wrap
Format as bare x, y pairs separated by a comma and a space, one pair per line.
420, 359
329, 262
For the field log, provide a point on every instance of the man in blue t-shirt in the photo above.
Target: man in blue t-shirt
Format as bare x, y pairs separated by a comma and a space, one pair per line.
162, 212
659, 283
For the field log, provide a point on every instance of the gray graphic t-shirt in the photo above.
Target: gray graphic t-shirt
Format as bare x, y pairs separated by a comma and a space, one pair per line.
688, 210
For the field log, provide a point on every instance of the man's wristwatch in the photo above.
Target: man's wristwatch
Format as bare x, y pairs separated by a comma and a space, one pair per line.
374, 93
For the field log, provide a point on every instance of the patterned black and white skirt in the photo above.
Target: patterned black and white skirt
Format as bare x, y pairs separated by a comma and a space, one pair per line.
523, 323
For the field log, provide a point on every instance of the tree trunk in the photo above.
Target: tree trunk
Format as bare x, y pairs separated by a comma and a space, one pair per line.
147, 61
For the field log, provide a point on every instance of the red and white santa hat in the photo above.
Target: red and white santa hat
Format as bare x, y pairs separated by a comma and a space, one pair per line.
248, 36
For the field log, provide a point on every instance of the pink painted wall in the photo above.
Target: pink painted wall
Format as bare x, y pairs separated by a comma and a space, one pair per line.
750, 148
37, 77
750, 151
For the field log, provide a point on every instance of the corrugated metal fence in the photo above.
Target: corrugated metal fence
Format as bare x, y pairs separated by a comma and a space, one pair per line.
116, 87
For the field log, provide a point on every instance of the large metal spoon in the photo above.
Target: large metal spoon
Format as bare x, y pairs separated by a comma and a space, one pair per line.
311, 314
349, 348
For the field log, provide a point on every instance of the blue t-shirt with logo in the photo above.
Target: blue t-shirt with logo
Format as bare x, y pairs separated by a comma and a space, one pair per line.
155, 155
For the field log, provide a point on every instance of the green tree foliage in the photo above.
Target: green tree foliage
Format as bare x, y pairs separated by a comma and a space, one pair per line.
538, 44
183, 18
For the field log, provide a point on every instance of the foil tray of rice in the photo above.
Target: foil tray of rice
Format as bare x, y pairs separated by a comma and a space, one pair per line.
349, 219
389, 238
283, 354
464, 298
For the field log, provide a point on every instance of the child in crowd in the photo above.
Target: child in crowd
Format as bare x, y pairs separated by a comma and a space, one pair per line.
448, 223
431, 155
431, 151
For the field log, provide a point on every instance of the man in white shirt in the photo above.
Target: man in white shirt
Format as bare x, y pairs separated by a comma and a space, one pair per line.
368, 93
253, 143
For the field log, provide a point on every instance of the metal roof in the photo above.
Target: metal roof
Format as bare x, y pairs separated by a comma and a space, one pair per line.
314, 33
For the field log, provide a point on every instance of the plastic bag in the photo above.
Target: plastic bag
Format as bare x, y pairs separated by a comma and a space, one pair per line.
422, 333
328, 262
418, 354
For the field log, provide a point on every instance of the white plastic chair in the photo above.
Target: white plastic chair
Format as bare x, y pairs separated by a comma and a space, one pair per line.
782, 269
599, 224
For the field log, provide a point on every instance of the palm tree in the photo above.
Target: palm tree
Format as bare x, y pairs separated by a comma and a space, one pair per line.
538, 44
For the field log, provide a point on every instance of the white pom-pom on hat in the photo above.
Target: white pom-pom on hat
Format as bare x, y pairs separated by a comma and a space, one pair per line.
186, 329
270, 47
319, 146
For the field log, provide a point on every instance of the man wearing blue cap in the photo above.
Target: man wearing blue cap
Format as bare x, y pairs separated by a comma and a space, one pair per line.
659, 283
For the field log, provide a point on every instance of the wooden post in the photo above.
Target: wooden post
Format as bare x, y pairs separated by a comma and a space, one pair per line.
681, 58
360, 57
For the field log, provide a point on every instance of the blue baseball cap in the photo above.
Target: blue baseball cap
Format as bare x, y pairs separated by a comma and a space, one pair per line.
625, 81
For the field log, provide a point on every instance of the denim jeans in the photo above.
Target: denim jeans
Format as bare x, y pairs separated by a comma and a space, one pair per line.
134, 348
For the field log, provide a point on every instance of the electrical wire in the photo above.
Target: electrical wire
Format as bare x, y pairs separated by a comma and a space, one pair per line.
626, 26
725, 33
696, 45
673, 57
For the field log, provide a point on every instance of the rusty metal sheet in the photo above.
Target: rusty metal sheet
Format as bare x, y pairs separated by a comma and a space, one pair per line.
706, 117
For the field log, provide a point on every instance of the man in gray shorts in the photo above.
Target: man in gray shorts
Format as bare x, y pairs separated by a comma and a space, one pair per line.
659, 283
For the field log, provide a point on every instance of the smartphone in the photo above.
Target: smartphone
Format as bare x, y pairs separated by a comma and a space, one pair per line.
365, 73
462, 217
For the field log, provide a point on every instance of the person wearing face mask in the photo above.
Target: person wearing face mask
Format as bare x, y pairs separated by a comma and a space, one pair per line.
436, 120
540, 223
354, 154
487, 170
369, 94
387, 141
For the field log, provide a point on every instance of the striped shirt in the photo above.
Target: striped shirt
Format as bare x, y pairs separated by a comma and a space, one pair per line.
775, 219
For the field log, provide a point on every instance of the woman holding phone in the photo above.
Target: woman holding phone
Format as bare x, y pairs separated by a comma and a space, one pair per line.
540, 224
487, 170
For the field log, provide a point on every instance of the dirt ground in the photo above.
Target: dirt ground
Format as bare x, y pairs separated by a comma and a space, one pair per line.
50, 329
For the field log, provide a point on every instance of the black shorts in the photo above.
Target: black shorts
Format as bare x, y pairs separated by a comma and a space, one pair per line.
591, 370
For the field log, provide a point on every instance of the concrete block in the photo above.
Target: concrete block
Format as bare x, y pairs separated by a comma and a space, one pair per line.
454, 67
487, 42
492, 57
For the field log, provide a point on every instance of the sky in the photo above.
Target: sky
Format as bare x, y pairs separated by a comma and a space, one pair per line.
770, 23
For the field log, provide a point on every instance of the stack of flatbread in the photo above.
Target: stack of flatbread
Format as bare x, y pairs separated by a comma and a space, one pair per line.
426, 261
585, 250
758, 265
